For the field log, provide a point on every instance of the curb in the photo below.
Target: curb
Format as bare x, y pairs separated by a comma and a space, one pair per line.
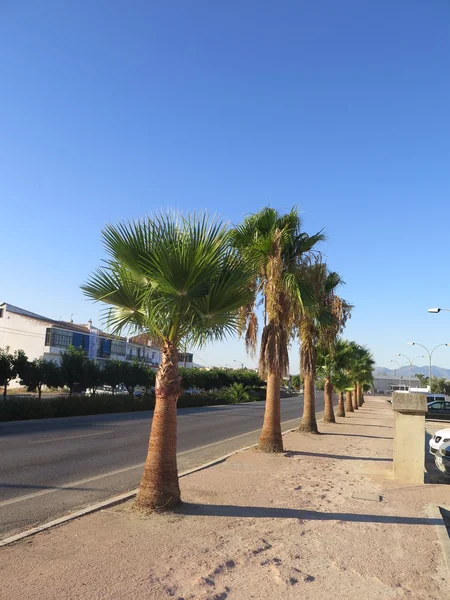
118, 499
434, 511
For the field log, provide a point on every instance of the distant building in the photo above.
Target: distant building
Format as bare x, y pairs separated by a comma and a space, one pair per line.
184, 359
390, 383
42, 337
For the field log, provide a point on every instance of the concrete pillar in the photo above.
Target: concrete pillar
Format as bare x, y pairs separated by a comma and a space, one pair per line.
409, 437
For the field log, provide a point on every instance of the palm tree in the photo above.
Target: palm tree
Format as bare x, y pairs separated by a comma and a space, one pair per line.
360, 371
341, 382
276, 248
365, 374
178, 280
318, 322
238, 392
331, 361
349, 399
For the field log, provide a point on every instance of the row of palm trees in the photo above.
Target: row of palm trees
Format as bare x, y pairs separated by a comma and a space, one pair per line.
347, 369
189, 280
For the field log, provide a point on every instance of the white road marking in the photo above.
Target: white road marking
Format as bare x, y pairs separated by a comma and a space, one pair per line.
118, 471
70, 437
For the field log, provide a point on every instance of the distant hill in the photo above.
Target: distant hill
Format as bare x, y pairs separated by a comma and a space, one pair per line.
436, 371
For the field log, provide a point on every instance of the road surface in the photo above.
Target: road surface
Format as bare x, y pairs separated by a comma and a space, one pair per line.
52, 467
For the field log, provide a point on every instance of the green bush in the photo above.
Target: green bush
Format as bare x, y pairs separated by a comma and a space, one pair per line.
20, 408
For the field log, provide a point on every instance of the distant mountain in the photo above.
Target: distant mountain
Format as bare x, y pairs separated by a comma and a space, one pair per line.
435, 371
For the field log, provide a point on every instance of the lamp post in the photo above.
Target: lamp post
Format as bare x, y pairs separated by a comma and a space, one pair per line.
430, 354
399, 372
239, 362
411, 361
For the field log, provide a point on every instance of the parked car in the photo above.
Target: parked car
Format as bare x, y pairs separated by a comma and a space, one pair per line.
436, 398
438, 409
439, 446
107, 389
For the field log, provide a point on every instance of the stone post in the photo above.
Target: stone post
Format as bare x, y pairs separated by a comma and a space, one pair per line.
409, 437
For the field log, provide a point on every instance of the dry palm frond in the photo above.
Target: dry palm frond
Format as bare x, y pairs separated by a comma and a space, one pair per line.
273, 356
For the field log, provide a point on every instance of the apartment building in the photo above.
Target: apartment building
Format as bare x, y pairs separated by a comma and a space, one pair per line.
42, 337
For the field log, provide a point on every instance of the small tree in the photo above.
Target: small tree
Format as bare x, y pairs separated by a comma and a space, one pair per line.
113, 373
40, 372
150, 378
296, 382
237, 393
73, 361
438, 385
92, 375
134, 374
12, 365
422, 379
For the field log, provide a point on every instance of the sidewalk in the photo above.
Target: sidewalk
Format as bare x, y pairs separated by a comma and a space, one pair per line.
256, 527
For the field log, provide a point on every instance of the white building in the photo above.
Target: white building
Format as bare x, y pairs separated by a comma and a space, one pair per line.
42, 337
389, 383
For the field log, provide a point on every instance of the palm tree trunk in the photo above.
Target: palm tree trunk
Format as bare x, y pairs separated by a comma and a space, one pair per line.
328, 413
271, 439
348, 402
360, 396
309, 423
355, 398
340, 411
159, 487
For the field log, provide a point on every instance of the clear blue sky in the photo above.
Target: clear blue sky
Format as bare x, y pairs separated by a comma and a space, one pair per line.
110, 110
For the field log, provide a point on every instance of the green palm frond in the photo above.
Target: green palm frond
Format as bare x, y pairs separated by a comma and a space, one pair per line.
278, 251
174, 277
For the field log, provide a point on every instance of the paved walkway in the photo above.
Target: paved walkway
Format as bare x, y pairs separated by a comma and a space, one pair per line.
309, 524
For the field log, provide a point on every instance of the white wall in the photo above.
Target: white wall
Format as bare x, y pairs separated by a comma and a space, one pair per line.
21, 333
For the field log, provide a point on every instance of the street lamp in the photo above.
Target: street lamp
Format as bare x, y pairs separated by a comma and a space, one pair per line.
430, 354
410, 366
239, 362
399, 373
438, 310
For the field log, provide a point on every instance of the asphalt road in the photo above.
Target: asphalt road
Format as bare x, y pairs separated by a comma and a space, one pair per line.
51, 467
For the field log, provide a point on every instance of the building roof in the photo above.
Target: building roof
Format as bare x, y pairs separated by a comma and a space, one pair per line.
141, 340
80, 328
144, 339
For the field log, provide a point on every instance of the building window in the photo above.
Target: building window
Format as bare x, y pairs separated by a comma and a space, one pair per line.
118, 348
1, 313
58, 337
105, 348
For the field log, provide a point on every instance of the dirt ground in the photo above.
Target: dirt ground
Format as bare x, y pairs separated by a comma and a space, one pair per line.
324, 520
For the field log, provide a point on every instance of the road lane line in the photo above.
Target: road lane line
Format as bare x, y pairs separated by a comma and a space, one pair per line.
72, 437
67, 486
120, 498
118, 471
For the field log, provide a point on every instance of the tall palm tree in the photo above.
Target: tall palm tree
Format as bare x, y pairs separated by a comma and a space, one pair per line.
179, 280
275, 246
341, 382
331, 361
317, 322
360, 371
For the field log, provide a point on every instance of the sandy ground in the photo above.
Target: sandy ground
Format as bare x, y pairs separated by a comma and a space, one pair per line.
256, 527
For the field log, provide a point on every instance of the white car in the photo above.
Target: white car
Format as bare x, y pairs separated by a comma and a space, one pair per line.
440, 448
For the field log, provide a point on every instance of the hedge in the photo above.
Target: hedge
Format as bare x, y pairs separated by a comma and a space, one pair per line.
20, 408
